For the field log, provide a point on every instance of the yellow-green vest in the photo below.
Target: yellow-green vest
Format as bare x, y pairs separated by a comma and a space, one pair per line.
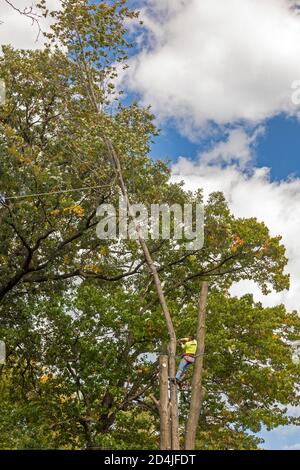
190, 347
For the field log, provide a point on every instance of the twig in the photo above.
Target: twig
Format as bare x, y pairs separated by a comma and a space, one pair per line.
29, 13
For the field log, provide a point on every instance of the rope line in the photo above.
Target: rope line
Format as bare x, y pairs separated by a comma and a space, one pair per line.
53, 192
197, 355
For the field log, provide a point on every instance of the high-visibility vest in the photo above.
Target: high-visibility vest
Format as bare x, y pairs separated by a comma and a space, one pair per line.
190, 347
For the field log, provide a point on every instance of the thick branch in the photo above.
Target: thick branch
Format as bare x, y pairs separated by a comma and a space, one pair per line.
197, 391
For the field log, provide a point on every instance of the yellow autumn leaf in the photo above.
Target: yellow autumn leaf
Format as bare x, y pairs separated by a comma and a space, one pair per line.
236, 243
44, 379
63, 398
55, 212
75, 209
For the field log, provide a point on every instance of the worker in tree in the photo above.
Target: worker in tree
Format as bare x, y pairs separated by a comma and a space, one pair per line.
189, 346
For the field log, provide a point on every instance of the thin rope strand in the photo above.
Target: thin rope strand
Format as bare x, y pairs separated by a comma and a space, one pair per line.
55, 192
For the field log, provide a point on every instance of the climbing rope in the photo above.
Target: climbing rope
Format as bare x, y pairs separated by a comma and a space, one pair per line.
23, 196
197, 355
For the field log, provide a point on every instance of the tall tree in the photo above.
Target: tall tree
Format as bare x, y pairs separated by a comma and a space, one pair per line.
81, 370
79, 28
65, 148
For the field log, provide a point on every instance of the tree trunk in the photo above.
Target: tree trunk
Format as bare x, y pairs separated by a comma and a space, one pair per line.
164, 409
197, 391
161, 297
173, 397
116, 164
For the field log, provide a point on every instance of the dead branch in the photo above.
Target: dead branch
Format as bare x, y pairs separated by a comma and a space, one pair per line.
29, 13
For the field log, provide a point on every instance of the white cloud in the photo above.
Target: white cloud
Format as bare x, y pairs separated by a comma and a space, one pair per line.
292, 447
255, 195
234, 63
17, 30
216, 60
239, 147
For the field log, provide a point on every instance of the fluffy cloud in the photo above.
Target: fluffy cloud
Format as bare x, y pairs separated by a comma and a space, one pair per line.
17, 30
216, 61
254, 195
239, 146
226, 63
293, 447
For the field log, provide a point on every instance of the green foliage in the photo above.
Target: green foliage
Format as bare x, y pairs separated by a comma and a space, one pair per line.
82, 370
249, 373
80, 315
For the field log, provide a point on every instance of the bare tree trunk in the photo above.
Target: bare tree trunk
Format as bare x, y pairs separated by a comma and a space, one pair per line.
164, 409
115, 161
197, 391
162, 300
173, 397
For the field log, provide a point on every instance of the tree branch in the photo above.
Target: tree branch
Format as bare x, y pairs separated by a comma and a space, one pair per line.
29, 13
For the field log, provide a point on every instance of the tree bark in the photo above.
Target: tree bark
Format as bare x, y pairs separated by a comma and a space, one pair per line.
161, 297
164, 409
197, 391
116, 164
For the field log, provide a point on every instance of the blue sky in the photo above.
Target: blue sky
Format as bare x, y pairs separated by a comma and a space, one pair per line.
216, 136
284, 438
278, 148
